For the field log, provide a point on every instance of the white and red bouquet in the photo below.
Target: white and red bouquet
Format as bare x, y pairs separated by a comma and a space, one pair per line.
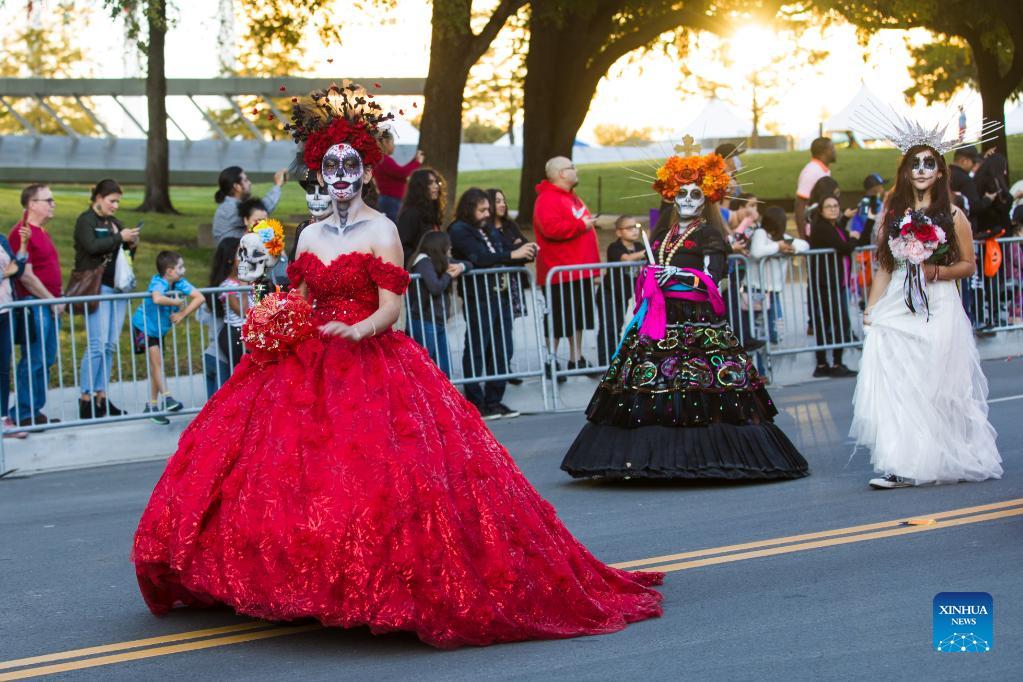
917, 239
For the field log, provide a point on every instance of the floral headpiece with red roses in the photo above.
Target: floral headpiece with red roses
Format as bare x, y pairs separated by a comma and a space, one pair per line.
708, 171
343, 114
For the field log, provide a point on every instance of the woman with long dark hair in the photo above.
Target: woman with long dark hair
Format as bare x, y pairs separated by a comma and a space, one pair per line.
829, 286
99, 236
921, 398
422, 209
681, 399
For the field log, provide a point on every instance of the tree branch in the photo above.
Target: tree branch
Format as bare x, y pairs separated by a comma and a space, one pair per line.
480, 42
644, 33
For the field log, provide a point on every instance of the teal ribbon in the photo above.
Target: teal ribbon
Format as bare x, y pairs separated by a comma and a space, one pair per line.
640, 315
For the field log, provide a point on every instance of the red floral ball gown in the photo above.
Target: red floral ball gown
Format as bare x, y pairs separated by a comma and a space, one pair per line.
351, 483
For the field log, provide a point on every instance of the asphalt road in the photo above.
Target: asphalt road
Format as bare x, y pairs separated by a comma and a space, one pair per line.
855, 608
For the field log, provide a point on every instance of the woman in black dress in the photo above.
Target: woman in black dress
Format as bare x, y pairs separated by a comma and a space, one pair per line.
681, 399
829, 286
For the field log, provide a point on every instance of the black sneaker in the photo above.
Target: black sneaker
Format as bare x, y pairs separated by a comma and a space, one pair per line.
515, 382
890, 482
154, 416
489, 413
842, 371
504, 411
822, 371
561, 378
172, 405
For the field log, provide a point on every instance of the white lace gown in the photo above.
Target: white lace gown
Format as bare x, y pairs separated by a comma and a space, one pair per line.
920, 403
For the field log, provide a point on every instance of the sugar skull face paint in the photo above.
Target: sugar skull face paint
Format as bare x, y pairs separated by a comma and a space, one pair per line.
924, 170
342, 171
689, 201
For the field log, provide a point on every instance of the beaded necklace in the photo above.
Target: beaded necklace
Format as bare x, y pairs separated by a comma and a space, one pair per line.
676, 240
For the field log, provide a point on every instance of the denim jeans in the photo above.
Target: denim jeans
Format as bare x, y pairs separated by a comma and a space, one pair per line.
216, 371
434, 338
488, 346
389, 206
103, 326
38, 354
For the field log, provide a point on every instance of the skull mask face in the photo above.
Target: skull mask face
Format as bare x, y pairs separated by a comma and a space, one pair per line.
317, 199
254, 261
689, 201
342, 171
924, 168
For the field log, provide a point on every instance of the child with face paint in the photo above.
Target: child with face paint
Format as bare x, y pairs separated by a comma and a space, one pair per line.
153, 320
345, 455
920, 403
681, 398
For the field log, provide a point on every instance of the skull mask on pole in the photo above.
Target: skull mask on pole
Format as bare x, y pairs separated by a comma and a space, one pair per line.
259, 250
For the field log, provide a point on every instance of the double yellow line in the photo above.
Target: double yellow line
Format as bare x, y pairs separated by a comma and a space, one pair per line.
827, 538
196, 640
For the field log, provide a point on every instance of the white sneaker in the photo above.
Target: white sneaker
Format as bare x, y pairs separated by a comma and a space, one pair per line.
890, 481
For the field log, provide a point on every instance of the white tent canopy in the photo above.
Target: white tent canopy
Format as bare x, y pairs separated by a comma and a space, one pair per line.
717, 120
843, 119
404, 132
1014, 121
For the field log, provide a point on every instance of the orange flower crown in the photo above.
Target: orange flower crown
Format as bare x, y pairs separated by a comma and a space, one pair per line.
708, 171
271, 232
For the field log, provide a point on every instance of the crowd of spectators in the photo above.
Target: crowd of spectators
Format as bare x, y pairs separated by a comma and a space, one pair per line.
483, 236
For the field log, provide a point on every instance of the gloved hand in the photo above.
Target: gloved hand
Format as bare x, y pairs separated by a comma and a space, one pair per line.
666, 273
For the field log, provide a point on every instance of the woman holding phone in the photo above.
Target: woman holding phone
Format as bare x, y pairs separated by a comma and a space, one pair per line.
98, 238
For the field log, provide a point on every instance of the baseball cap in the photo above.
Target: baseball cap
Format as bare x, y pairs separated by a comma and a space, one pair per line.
872, 180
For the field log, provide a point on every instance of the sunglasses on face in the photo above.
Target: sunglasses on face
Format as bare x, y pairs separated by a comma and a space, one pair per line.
696, 194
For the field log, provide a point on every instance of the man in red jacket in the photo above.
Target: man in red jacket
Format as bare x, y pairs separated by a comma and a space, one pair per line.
566, 236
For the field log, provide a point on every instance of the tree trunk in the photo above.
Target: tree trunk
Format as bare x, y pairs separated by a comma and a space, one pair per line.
993, 94
157, 196
440, 133
454, 48
555, 104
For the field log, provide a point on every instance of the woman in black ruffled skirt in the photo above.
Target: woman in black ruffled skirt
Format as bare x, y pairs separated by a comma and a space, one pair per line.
681, 399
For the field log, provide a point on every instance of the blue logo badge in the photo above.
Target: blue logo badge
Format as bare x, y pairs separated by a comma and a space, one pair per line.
964, 621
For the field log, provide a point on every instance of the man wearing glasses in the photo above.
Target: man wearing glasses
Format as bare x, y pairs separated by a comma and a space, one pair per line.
36, 329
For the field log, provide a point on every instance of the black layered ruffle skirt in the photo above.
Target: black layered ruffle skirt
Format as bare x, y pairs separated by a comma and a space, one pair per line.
690, 406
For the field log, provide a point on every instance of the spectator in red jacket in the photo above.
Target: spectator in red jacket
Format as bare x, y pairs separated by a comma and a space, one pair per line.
392, 178
566, 236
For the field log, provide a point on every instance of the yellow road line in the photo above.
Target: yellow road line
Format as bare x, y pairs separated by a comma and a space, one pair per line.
813, 536
796, 543
158, 651
901, 530
134, 644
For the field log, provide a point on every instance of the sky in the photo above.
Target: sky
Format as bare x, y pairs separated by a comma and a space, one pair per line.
644, 91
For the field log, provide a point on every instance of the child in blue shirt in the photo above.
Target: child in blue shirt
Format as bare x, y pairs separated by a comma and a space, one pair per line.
153, 319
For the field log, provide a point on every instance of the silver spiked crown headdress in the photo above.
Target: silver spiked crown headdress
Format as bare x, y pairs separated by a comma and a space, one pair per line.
906, 133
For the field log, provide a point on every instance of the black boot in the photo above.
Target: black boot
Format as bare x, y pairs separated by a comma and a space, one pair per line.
109, 409
87, 408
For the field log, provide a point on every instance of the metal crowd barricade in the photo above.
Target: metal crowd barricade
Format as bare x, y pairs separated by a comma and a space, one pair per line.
995, 303
52, 337
484, 328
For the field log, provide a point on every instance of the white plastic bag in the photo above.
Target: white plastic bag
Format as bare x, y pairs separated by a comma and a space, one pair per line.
124, 273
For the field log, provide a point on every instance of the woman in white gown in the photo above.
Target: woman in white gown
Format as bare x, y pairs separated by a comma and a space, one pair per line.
921, 398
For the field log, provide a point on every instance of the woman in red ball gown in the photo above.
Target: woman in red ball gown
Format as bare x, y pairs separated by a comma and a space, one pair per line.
346, 480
